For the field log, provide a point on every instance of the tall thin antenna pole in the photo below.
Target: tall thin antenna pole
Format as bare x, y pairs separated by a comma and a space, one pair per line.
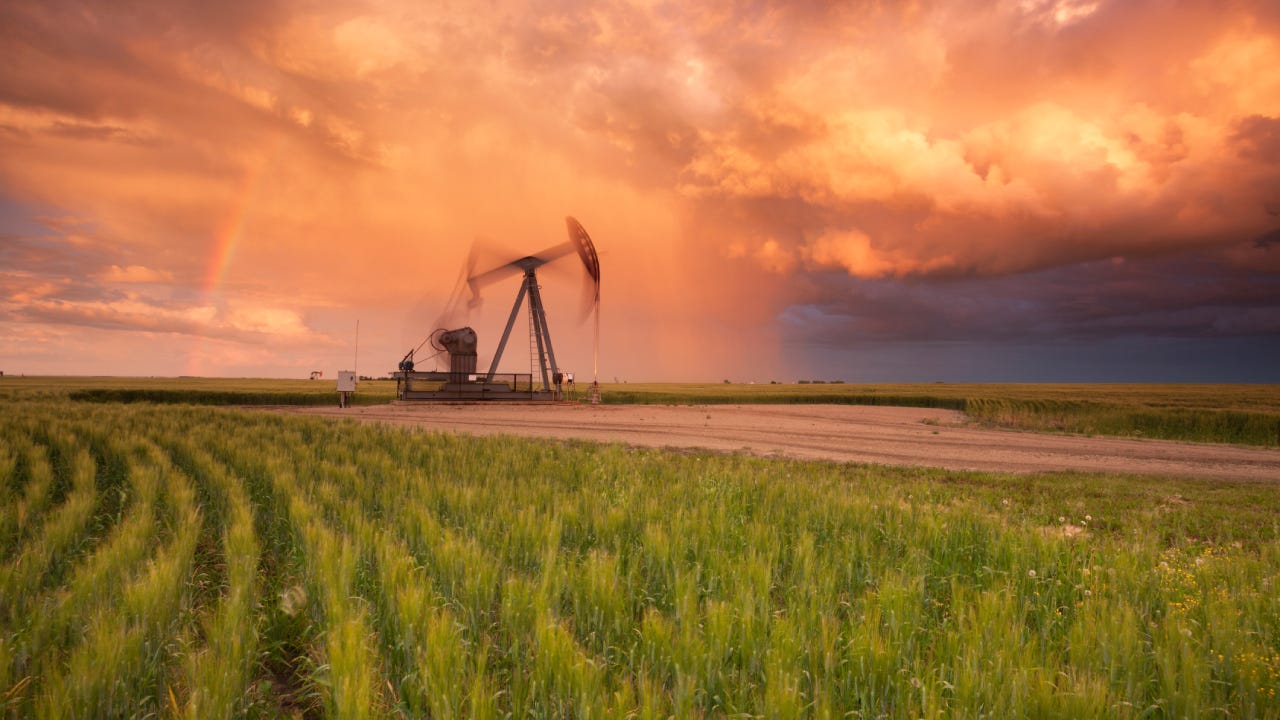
355, 364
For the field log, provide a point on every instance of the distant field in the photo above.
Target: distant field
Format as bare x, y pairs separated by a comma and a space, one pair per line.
193, 390
1239, 414
186, 561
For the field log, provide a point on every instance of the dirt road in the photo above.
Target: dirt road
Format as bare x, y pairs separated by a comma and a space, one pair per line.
885, 435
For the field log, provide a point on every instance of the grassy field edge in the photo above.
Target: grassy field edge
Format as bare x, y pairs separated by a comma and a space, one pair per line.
1234, 414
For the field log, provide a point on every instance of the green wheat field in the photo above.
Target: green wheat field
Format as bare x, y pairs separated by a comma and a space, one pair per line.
162, 557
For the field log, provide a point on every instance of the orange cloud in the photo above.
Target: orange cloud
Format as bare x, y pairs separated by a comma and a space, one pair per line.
134, 274
328, 162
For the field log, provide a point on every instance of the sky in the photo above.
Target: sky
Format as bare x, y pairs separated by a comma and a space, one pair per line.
1004, 191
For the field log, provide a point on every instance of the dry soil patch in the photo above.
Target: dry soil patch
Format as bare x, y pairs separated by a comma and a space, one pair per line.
850, 433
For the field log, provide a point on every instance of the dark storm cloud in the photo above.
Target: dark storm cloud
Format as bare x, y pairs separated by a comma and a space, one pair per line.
1188, 296
1257, 137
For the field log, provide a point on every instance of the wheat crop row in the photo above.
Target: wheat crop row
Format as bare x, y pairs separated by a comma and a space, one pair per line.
198, 562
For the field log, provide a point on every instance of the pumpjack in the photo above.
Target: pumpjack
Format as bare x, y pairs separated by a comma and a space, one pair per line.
461, 381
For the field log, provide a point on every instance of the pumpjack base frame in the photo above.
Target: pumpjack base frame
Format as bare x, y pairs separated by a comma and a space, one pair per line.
455, 387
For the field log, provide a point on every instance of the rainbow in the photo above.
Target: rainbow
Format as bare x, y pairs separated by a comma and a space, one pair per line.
226, 240
230, 230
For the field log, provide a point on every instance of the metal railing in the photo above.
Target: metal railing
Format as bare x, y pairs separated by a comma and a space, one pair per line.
473, 386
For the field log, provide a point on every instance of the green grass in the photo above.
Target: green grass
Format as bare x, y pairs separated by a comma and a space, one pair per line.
1242, 398
192, 390
1238, 414
252, 564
